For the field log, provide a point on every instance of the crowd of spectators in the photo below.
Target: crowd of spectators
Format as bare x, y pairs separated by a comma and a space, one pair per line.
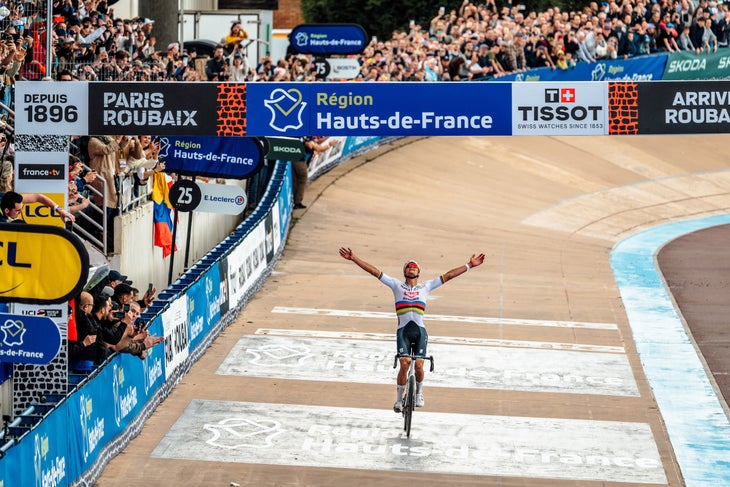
105, 319
473, 41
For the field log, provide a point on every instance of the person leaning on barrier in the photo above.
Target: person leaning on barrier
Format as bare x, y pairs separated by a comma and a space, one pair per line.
11, 206
141, 340
88, 344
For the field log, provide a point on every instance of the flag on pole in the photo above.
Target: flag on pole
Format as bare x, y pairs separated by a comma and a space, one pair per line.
163, 213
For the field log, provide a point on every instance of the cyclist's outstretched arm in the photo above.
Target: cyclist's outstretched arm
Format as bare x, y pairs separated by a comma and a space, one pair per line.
474, 261
348, 254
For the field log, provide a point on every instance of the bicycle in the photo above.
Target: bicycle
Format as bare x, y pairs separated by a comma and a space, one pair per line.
409, 395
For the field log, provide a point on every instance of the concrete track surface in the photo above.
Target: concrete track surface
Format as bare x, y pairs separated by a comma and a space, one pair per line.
537, 379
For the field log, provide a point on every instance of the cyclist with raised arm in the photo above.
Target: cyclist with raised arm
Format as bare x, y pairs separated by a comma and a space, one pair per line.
410, 306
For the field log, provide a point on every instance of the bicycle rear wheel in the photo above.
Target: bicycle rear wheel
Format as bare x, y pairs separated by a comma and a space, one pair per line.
409, 406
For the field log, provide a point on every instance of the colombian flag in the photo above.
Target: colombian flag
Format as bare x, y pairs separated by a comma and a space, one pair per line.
162, 213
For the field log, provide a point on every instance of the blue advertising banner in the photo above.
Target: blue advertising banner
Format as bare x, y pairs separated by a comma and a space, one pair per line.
28, 339
203, 305
643, 68
217, 157
328, 39
387, 108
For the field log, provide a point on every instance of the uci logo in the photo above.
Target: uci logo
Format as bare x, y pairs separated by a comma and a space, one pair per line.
286, 107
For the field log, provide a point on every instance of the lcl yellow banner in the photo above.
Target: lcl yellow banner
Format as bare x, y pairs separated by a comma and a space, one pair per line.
40, 264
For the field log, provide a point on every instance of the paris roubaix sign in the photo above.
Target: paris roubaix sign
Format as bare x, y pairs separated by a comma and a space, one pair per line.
369, 109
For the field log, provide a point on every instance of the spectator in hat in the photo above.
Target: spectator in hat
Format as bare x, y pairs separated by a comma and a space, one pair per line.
239, 69
667, 38
115, 278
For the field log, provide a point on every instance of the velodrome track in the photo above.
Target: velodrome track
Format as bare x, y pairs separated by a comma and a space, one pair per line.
537, 382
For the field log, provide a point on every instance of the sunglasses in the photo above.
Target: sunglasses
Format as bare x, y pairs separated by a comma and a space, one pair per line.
412, 265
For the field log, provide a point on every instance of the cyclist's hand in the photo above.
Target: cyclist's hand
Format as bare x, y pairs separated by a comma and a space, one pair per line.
476, 260
346, 253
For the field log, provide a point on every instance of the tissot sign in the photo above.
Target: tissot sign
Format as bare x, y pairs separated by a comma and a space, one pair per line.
559, 109
328, 39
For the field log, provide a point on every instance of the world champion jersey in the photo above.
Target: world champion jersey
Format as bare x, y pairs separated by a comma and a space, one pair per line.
410, 302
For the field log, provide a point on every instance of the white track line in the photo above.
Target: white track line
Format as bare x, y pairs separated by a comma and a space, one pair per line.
458, 319
575, 347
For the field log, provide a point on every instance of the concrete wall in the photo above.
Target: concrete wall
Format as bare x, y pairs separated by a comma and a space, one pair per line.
143, 262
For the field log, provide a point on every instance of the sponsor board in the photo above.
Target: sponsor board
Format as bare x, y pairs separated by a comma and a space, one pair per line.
51, 108
284, 149
328, 39
690, 107
28, 339
40, 264
684, 65
559, 109
158, 108
42, 171
471, 367
177, 340
225, 199
386, 108
216, 157
371, 439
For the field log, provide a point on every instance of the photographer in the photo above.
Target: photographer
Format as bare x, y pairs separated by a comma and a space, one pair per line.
76, 202
216, 69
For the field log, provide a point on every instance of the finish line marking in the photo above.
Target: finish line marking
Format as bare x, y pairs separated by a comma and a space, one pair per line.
486, 342
371, 439
457, 366
458, 319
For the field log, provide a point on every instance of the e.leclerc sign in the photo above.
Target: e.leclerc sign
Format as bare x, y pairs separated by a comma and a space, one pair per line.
326, 39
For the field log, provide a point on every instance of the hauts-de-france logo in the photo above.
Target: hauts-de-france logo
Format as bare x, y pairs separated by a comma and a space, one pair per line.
13, 332
286, 107
301, 39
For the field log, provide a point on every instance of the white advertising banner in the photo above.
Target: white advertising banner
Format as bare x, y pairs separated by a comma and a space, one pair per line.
175, 325
560, 108
51, 108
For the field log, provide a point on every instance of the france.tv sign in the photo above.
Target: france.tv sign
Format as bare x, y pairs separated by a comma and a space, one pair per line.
323, 39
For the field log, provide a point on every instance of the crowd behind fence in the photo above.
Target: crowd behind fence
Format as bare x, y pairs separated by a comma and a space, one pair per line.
472, 41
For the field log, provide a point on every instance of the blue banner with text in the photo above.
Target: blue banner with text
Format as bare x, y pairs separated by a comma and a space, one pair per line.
387, 108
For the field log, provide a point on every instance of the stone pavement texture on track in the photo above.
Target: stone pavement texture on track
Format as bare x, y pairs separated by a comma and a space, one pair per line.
547, 212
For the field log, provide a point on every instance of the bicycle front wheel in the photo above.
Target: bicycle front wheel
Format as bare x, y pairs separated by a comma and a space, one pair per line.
410, 405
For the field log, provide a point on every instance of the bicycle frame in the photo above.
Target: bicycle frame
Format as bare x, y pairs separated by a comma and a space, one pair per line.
409, 398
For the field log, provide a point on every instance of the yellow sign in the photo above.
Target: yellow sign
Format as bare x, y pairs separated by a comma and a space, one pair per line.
40, 264
40, 214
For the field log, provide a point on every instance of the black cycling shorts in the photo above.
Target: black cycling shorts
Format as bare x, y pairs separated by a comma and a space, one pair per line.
412, 340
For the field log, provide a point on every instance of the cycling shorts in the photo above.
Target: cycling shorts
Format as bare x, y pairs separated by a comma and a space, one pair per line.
411, 340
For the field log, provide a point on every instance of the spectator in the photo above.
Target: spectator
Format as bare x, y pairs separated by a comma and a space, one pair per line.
6, 176
216, 69
239, 69
104, 159
11, 206
685, 40
312, 146
234, 38
76, 202
88, 344
667, 37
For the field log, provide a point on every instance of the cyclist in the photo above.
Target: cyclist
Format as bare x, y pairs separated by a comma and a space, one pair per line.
410, 306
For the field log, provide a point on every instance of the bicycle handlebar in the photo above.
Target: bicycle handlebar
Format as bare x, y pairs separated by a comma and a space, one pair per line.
412, 357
